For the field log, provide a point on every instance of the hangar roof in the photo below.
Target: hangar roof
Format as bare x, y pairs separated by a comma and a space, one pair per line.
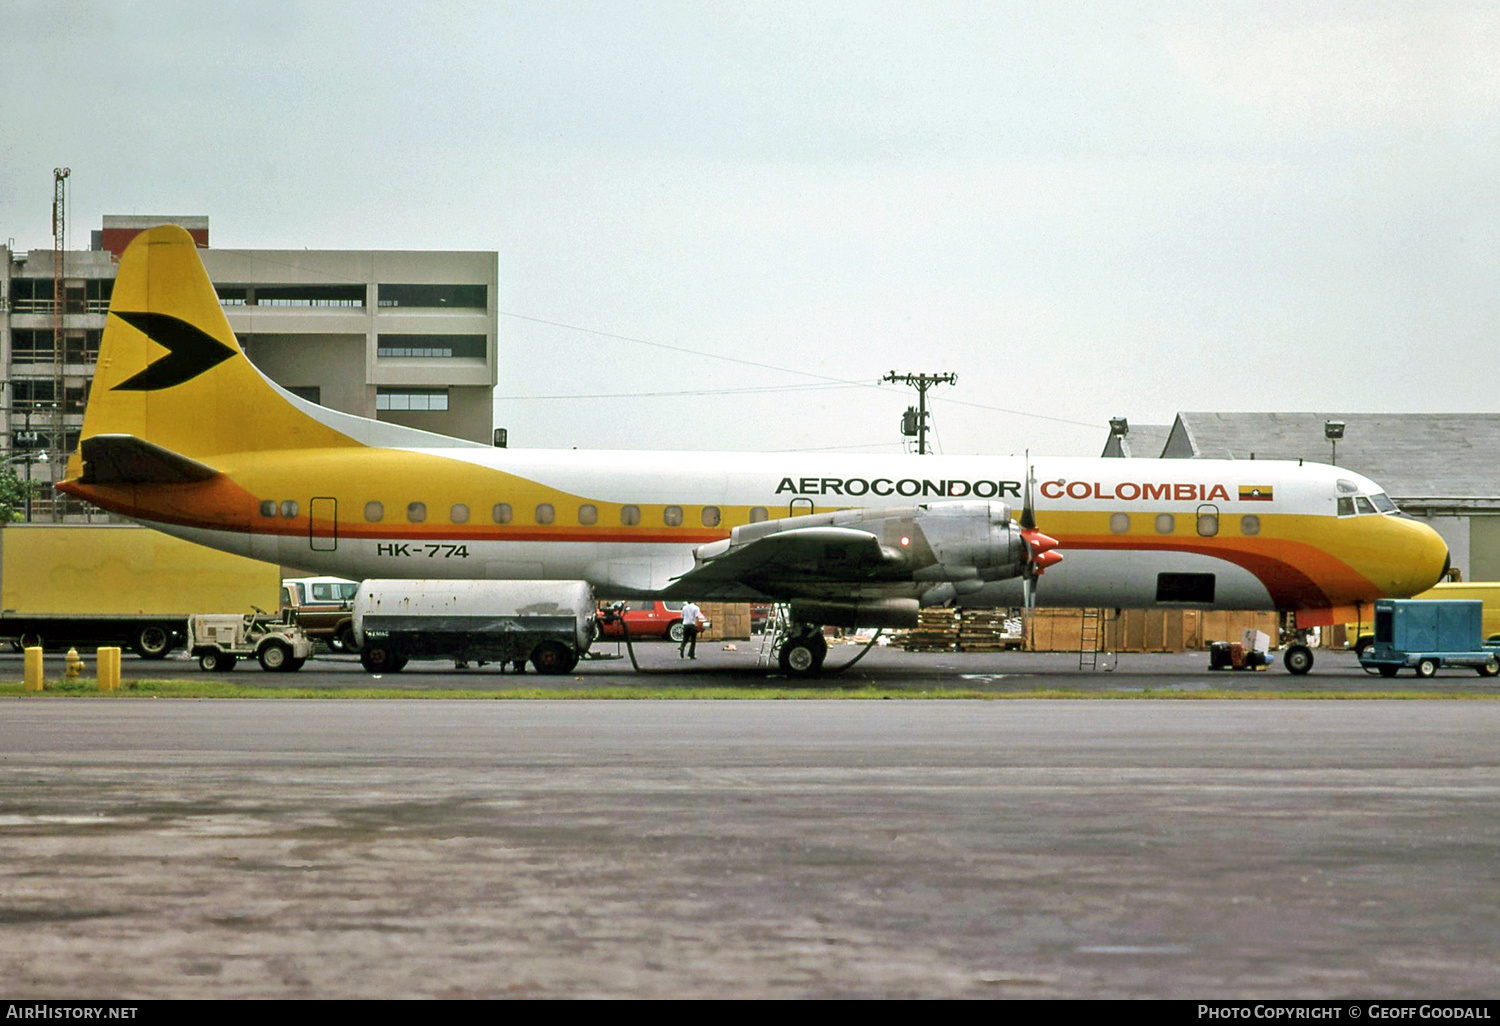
1414, 455
1143, 440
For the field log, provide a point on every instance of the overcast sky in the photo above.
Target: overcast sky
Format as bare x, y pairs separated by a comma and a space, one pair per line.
722, 223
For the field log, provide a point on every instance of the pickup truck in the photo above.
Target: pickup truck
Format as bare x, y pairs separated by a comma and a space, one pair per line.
1426, 635
323, 608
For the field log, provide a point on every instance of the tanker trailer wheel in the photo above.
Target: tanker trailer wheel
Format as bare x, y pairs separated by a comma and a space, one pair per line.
275, 656
379, 657
152, 641
553, 657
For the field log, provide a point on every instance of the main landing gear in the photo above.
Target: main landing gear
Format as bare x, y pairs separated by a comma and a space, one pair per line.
803, 651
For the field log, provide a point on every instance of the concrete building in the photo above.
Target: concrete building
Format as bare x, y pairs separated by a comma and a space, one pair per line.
1441, 467
401, 336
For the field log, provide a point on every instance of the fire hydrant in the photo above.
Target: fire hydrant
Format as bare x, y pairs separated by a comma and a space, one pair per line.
74, 665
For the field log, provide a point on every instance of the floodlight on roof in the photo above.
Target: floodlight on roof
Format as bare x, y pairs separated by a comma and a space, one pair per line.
1333, 430
1119, 427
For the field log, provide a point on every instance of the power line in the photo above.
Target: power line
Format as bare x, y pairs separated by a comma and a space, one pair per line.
783, 370
691, 392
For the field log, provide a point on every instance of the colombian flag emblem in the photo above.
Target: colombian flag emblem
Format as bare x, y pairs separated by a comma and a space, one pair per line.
1255, 493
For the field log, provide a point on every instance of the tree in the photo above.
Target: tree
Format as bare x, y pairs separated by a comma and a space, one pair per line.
13, 492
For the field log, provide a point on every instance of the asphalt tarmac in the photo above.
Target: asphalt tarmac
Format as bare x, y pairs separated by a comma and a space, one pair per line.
1023, 848
740, 664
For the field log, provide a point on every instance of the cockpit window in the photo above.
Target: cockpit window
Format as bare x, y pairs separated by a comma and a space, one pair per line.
1347, 486
1363, 504
1383, 503
1346, 506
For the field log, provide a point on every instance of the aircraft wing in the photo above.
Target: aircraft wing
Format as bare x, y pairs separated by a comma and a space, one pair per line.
791, 559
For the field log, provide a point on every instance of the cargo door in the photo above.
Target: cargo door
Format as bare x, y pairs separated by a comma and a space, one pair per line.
323, 524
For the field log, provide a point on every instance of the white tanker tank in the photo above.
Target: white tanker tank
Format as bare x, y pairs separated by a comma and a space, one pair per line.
549, 624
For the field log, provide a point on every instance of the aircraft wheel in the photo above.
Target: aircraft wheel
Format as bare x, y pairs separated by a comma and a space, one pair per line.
803, 656
378, 657
152, 641
553, 657
676, 633
1298, 659
274, 656
1427, 668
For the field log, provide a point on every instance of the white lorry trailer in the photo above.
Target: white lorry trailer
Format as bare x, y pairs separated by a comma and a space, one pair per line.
549, 624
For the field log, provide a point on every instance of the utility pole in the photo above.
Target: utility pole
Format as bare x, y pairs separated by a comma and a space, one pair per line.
915, 420
59, 241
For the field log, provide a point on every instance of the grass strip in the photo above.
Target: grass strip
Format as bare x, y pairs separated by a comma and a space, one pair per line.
191, 689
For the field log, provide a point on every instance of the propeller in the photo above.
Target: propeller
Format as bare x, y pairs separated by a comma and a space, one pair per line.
1043, 547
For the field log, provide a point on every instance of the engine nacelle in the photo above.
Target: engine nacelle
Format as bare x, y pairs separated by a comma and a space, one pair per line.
971, 540
892, 612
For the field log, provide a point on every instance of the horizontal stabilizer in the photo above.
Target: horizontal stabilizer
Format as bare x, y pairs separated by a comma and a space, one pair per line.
125, 459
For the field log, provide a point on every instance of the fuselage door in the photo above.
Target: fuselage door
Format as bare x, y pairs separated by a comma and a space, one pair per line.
1208, 520
323, 524
799, 507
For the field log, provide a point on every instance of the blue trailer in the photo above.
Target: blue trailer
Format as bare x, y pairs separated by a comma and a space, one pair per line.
1427, 635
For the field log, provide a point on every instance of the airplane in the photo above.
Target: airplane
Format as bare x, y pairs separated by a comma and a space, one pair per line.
182, 433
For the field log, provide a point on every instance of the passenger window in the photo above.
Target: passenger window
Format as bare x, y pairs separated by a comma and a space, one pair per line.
672, 516
1119, 523
1208, 524
710, 516
374, 512
545, 514
459, 514
588, 514
1363, 504
759, 513
289, 508
1249, 524
416, 512
501, 513
1166, 523
630, 516
1346, 506
268, 508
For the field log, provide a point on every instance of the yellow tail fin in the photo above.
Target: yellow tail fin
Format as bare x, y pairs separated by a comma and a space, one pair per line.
171, 372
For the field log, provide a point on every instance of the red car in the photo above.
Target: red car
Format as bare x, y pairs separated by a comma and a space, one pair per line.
645, 620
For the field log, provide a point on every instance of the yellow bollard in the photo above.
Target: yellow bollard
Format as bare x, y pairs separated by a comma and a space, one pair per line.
109, 669
72, 665
33, 676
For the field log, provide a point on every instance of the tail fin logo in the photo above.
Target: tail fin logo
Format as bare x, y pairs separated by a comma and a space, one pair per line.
190, 352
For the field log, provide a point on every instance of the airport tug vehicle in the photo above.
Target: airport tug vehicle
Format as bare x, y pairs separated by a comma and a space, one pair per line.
218, 641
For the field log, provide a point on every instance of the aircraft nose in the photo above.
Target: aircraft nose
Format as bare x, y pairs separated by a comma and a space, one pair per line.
1430, 559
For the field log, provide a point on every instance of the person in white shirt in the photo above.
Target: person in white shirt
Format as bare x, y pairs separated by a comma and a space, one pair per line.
692, 617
